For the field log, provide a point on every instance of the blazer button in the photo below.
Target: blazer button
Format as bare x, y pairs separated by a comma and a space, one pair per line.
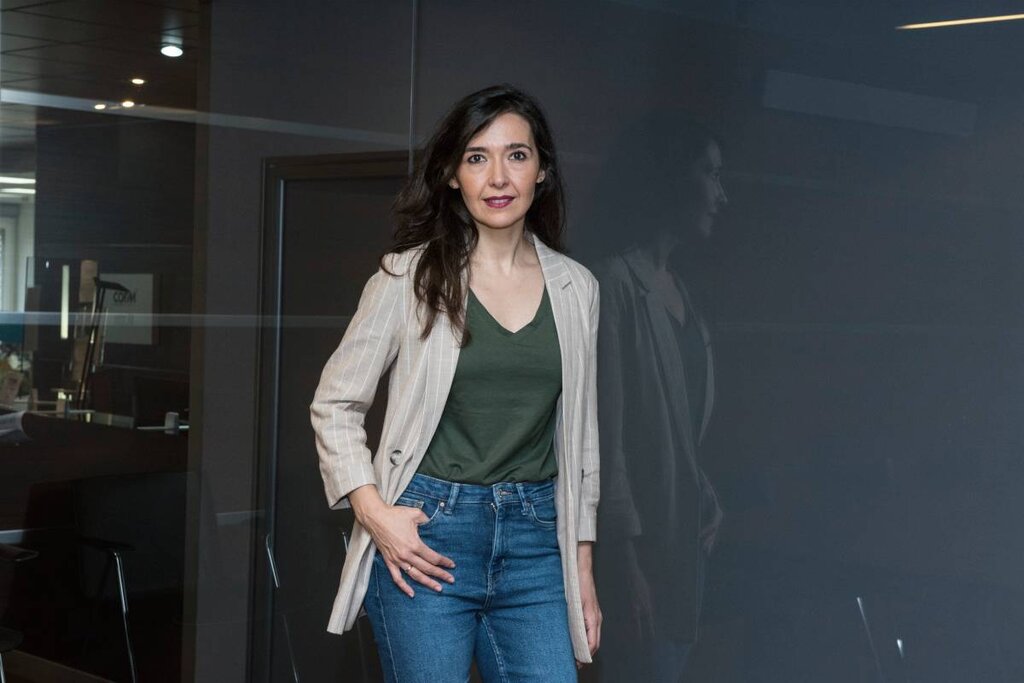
396, 456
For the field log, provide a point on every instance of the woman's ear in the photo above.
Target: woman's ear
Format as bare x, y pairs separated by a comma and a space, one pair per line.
453, 183
540, 176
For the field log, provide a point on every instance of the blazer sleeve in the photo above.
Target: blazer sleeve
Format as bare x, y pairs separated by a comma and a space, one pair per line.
348, 384
590, 491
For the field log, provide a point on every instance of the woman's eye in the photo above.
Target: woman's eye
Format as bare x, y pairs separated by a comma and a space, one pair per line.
518, 156
474, 158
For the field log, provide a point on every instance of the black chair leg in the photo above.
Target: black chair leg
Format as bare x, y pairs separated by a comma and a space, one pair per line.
122, 594
96, 605
291, 651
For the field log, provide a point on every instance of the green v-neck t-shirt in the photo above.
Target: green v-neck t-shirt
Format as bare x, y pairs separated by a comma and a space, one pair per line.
499, 420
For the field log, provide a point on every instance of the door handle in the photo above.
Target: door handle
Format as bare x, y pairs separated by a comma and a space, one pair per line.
268, 544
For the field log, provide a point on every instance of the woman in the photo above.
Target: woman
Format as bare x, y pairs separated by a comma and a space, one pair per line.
660, 515
475, 521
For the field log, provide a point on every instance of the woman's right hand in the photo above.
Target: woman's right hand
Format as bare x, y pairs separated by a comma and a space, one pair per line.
393, 529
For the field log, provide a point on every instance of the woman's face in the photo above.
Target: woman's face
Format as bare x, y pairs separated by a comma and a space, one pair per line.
707, 182
498, 173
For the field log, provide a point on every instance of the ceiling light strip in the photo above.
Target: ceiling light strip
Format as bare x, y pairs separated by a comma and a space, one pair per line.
961, 22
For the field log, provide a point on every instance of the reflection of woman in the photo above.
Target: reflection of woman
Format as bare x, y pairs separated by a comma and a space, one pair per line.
490, 334
660, 515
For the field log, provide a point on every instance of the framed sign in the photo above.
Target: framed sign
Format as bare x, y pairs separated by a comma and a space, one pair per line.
130, 319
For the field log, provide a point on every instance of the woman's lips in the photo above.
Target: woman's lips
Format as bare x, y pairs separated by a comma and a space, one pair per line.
498, 202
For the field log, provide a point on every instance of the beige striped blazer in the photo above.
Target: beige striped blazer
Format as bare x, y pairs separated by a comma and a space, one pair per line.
384, 334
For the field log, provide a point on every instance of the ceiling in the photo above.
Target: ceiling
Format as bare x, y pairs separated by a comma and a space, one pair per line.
90, 50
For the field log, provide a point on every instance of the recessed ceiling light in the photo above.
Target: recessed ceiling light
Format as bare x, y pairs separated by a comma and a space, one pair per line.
18, 190
99, 106
169, 50
14, 180
139, 81
961, 22
127, 104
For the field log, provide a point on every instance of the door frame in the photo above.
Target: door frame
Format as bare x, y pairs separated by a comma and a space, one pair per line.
277, 172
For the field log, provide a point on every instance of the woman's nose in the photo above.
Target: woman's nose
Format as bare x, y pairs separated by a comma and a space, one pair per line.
498, 176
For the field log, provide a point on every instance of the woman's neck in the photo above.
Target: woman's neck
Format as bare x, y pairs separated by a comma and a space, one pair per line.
499, 249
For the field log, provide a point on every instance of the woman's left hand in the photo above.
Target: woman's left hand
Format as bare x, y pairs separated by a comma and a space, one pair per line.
588, 597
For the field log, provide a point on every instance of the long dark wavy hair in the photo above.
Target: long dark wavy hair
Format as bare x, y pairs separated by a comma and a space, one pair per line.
429, 213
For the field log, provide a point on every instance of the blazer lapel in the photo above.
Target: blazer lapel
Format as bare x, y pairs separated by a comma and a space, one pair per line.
557, 279
442, 351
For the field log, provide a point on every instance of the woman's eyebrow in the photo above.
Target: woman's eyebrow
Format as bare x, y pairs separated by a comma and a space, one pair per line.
511, 145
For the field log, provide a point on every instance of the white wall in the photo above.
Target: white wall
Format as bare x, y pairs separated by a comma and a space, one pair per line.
19, 239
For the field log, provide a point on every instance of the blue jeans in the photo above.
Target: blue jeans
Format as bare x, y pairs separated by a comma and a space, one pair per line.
507, 606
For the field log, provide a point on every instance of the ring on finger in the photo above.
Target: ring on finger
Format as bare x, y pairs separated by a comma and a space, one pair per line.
408, 568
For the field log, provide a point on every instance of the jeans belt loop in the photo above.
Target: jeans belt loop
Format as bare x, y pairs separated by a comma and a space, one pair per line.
453, 495
523, 498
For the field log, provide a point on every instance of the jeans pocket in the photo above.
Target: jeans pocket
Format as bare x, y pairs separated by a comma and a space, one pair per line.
542, 513
429, 506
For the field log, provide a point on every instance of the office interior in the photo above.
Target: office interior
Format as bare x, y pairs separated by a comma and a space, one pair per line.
193, 193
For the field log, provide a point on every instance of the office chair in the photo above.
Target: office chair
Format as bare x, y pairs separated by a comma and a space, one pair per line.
131, 528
